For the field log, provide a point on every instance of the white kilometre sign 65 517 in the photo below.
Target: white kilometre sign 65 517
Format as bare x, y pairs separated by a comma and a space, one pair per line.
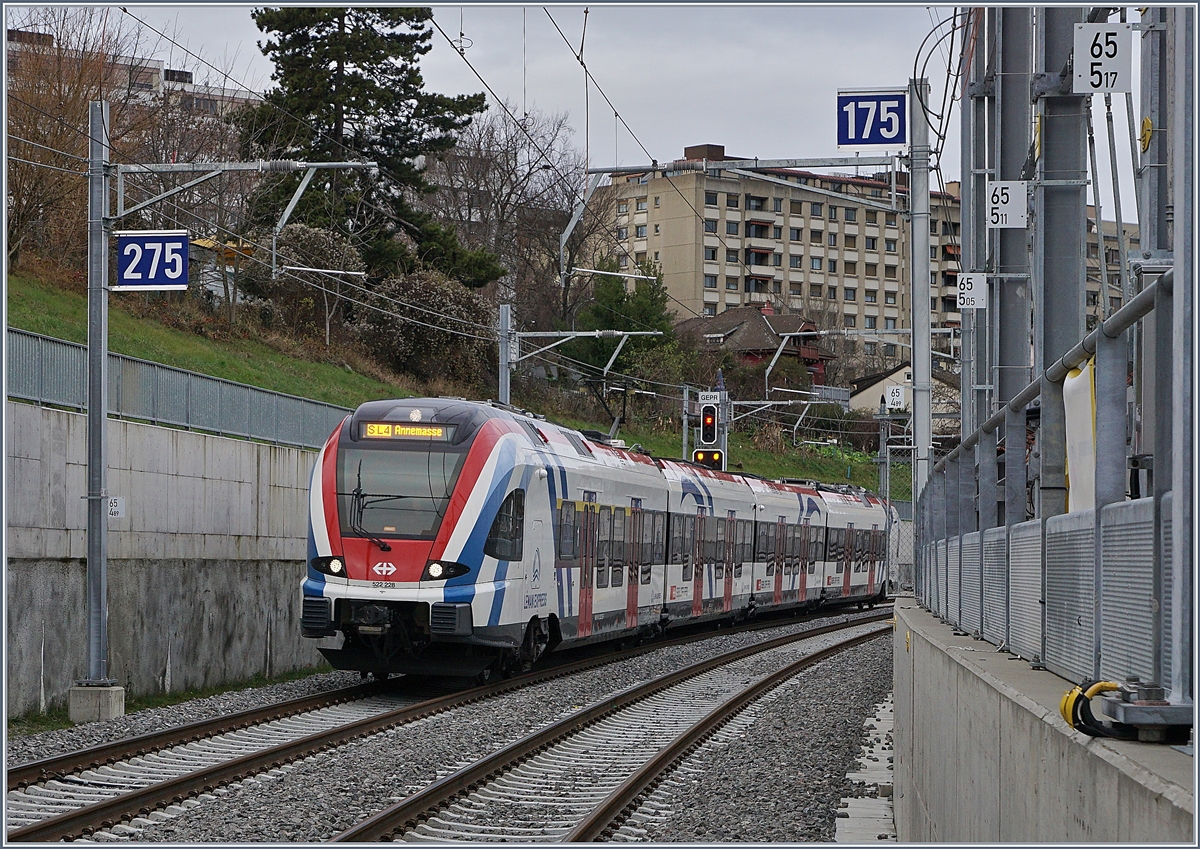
1103, 58
972, 291
1007, 204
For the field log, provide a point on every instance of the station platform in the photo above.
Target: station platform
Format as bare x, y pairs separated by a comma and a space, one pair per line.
982, 754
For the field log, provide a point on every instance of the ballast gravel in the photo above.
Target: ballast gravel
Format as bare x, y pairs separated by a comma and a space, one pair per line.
323, 795
48, 744
782, 778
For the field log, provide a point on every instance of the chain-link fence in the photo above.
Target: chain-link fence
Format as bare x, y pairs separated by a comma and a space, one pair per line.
897, 484
53, 372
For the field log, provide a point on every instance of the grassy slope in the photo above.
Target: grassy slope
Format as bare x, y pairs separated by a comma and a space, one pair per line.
62, 314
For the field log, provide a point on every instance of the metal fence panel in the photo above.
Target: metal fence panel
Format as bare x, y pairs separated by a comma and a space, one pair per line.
939, 566
1071, 595
49, 371
995, 585
235, 409
971, 618
52, 371
1025, 590
1127, 590
954, 580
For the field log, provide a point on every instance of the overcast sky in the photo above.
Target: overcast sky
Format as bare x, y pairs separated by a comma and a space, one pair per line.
759, 79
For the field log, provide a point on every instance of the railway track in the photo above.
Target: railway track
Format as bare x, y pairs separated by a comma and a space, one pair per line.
574, 780
77, 794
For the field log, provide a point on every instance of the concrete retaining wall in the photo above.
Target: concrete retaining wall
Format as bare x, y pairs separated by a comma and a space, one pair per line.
982, 755
203, 570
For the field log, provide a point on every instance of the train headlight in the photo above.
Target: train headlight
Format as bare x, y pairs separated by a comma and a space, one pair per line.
329, 566
441, 570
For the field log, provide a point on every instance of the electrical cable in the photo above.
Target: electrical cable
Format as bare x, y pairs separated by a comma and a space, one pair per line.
44, 165
51, 149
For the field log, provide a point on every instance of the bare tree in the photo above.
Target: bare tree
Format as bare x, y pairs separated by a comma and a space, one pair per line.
510, 188
60, 60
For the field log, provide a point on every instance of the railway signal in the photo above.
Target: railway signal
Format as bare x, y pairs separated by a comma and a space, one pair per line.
712, 458
708, 424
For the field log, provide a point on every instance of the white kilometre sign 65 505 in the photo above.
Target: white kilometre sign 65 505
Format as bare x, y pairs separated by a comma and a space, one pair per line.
972, 291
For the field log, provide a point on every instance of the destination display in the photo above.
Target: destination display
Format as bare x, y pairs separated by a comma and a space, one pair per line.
397, 430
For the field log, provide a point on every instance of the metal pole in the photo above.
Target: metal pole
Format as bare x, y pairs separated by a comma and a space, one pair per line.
505, 352
1122, 258
1012, 325
1105, 294
1158, 360
97, 412
1061, 210
685, 455
919, 233
983, 508
1183, 150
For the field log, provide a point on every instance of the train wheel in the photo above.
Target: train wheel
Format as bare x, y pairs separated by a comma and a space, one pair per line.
488, 674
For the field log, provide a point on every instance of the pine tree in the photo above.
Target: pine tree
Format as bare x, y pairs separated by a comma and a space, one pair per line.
349, 87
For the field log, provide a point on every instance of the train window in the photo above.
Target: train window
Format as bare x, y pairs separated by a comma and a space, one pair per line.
760, 551
818, 543
567, 542
658, 554
718, 554
687, 546
676, 538
646, 555
618, 557
603, 546
709, 552
506, 537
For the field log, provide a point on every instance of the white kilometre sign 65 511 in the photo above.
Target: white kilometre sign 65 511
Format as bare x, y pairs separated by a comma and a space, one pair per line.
1007, 204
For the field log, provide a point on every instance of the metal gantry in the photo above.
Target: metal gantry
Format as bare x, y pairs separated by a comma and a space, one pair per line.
1083, 568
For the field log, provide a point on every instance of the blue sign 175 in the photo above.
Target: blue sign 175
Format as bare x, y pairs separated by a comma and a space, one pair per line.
872, 119
152, 260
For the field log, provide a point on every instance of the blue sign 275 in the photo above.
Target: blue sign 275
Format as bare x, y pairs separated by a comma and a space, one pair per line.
872, 119
152, 260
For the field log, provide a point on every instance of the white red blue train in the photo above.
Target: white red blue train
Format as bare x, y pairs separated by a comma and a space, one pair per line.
461, 538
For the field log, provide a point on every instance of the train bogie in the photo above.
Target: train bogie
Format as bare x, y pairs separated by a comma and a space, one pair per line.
453, 537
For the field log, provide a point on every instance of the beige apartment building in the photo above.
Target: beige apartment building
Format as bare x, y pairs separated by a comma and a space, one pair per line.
833, 247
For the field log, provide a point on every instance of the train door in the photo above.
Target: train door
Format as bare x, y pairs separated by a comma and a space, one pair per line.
565, 561
777, 555
636, 553
802, 534
725, 552
588, 526
873, 556
698, 558
849, 550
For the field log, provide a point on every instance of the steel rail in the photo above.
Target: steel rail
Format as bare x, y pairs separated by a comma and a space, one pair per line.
409, 812
22, 776
607, 815
86, 820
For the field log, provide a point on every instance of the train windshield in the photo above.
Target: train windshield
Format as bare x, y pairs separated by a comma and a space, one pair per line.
389, 492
